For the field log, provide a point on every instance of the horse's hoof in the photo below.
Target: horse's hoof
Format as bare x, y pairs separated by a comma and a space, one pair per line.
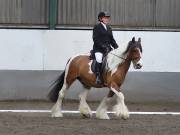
103, 117
125, 116
85, 112
121, 112
56, 115
86, 115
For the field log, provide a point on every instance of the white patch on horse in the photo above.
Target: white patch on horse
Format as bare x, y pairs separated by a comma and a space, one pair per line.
90, 71
113, 71
140, 61
113, 60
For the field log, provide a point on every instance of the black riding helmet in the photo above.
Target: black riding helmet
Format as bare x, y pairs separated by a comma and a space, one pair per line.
103, 14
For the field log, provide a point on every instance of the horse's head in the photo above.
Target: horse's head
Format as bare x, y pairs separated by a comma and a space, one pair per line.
134, 51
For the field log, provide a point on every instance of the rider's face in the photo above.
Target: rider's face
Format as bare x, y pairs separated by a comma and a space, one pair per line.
106, 20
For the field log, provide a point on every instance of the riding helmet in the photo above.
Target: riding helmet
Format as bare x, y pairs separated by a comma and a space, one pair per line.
103, 14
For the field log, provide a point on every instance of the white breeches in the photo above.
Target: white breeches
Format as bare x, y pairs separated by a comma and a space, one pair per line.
99, 57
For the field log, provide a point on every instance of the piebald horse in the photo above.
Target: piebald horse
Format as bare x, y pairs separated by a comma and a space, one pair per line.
79, 67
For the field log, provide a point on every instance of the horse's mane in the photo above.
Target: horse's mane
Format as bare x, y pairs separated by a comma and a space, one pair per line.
113, 61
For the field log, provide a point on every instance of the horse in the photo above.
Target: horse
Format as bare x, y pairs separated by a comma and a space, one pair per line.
79, 67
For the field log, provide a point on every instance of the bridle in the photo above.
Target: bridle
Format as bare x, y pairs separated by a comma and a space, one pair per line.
119, 56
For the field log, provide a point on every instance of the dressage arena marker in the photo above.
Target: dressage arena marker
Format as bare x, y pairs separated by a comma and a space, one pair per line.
77, 112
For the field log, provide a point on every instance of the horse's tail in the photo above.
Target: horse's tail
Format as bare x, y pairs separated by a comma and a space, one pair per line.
57, 85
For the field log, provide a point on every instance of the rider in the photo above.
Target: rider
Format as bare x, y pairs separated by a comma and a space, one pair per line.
103, 41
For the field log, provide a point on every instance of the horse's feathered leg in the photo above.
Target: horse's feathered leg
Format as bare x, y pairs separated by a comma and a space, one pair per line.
101, 112
69, 78
120, 108
84, 108
56, 110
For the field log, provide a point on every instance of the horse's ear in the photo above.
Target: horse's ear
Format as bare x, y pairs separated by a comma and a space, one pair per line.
133, 39
139, 40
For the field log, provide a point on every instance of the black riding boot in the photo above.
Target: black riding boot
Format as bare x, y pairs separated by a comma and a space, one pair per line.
98, 73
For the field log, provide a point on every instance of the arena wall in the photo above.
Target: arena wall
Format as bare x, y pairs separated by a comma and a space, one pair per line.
32, 59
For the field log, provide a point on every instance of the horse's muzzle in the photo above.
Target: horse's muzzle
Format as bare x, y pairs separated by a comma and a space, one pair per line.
138, 66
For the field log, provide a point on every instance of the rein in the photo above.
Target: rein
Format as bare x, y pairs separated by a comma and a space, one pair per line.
118, 56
